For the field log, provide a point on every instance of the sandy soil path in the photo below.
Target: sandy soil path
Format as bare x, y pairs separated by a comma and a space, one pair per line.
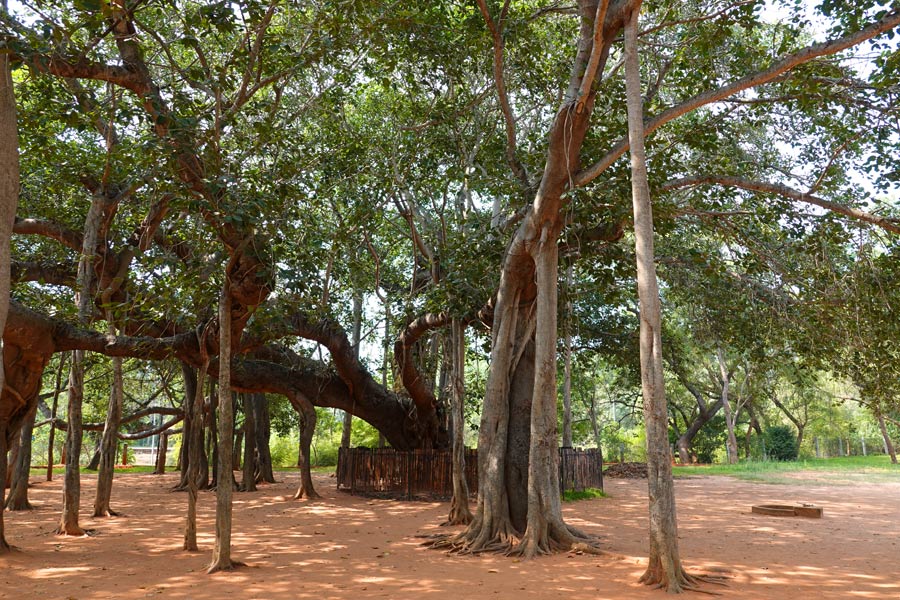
351, 548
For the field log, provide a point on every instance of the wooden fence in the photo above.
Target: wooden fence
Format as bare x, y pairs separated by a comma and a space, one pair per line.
429, 472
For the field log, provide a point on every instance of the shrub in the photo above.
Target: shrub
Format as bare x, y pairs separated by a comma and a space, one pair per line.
781, 444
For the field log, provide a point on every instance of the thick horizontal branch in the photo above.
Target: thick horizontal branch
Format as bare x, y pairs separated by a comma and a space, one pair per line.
59, 274
892, 225
886, 23
68, 237
84, 69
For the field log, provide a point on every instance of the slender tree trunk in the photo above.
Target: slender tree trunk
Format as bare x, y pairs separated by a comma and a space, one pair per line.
162, 449
11, 462
248, 483
18, 491
595, 421
109, 441
357, 332
72, 490
51, 436
193, 436
386, 355
567, 368
664, 568
307, 429
263, 434
888, 444
4, 545
221, 560
236, 448
730, 440
459, 504
68, 524
214, 432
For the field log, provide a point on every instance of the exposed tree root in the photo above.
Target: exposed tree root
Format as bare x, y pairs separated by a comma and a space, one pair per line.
6, 548
478, 538
476, 541
75, 532
682, 582
107, 513
231, 565
13, 505
457, 519
307, 494
552, 539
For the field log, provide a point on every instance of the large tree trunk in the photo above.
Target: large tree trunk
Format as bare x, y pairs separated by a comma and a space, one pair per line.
664, 568
109, 441
730, 417
9, 197
307, 428
545, 532
221, 559
523, 345
459, 504
18, 491
888, 444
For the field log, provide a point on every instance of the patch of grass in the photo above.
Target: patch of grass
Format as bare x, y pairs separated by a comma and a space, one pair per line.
832, 471
588, 494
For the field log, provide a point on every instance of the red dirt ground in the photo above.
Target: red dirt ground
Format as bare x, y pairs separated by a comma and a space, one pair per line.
346, 547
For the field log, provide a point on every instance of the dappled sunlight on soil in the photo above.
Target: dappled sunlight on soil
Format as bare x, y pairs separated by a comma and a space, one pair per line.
345, 547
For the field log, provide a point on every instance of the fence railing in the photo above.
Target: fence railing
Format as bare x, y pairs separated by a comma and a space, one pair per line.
429, 472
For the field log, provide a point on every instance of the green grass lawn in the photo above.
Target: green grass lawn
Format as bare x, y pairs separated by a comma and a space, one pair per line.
847, 470
588, 494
